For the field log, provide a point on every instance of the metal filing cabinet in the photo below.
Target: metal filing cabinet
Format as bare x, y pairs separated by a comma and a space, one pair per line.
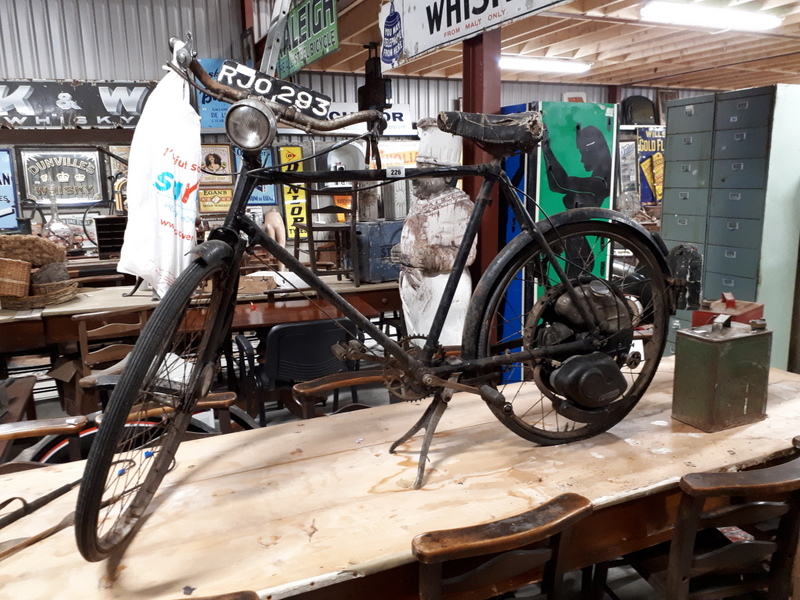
732, 187
687, 173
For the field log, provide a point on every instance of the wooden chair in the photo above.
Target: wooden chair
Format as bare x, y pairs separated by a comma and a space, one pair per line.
104, 340
62, 426
330, 229
762, 508
512, 553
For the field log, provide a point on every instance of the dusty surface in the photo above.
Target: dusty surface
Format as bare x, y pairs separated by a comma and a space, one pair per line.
319, 500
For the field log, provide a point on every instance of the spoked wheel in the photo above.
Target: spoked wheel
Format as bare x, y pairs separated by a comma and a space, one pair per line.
571, 396
171, 366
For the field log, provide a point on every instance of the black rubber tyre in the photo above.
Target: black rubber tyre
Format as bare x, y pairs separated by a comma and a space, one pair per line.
518, 311
169, 368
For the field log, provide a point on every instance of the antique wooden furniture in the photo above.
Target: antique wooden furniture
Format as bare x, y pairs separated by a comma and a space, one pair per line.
104, 339
319, 510
763, 508
331, 230
509, 557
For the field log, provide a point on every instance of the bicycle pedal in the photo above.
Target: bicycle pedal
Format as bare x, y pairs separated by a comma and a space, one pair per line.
340, 352
492, 396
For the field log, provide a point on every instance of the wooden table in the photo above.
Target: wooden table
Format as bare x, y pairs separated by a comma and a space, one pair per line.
44, 329
320, 509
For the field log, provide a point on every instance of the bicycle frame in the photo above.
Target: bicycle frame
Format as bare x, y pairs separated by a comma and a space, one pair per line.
421, 367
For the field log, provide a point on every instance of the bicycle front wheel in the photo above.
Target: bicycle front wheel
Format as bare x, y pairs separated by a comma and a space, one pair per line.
567, 396
150, 408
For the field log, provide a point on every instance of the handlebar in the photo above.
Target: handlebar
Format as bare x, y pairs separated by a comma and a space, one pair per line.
287, 114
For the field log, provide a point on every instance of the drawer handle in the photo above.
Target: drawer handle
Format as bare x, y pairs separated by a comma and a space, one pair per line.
683, 195
734, 119
737, 167
683, 221
735, 196
730, 253
743, 105
727, 282
740, 137
687, 140
733, 225
689, 111
686, 168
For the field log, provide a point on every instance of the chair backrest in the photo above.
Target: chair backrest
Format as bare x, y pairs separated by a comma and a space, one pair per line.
529, 544
296, 352
108, 336
751, 501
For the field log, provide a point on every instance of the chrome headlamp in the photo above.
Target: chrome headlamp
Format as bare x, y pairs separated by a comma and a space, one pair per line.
250, 124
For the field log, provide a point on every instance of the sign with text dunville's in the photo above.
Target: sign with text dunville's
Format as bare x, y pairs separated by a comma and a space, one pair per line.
29, 104
410, 28
310, 33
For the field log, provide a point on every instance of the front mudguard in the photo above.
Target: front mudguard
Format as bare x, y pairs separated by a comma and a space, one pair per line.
213, 252
485, 286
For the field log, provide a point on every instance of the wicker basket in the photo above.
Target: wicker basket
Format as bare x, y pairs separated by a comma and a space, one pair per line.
15, 277
56, 296
42, 289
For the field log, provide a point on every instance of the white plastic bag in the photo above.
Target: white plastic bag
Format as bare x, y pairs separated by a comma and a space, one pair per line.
163, 177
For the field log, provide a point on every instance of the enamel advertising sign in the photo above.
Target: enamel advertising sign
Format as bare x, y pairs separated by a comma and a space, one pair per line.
410, 28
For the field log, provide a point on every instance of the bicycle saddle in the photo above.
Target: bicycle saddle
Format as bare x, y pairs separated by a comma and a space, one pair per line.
499, 135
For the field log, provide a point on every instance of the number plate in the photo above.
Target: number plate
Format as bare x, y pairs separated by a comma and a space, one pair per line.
255, 82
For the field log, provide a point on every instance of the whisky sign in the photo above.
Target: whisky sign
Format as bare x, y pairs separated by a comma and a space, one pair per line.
71, 176
29, 104
410, 28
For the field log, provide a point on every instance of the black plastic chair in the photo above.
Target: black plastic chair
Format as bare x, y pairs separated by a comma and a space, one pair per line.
293, 353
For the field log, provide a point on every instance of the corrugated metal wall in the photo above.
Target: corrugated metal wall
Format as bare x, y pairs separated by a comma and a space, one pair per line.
428, 96
110, 39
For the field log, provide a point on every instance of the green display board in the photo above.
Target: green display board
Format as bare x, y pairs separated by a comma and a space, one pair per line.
576, 159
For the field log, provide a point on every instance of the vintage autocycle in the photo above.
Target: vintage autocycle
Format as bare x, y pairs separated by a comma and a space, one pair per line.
574, 309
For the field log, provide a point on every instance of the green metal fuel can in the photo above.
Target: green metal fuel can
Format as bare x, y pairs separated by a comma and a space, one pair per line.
721, 374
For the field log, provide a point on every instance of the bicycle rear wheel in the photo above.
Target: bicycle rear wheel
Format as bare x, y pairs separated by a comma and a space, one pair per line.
570, 396
171, 365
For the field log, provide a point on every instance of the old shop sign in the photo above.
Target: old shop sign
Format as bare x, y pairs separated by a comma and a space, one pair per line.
59, 104
410, 28
310, 33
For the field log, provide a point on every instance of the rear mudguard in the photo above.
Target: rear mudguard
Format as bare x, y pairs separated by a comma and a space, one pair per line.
486, 284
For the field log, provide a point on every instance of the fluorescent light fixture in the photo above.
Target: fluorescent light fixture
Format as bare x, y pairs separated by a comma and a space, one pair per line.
699, 15
514, 62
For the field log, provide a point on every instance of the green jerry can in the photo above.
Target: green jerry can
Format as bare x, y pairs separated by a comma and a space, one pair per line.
721, 374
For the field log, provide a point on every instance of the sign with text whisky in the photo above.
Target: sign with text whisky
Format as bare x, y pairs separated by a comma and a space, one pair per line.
26, 104
410, 28
71, 176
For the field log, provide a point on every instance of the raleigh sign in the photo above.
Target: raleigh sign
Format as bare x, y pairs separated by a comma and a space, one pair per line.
410, 28
310, 33
58, 104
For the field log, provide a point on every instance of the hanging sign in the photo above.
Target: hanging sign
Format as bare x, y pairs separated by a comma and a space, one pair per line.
650, 146
410, 28
310, 33
8, 193
399, 120
294, 198
71, 176
58, 104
